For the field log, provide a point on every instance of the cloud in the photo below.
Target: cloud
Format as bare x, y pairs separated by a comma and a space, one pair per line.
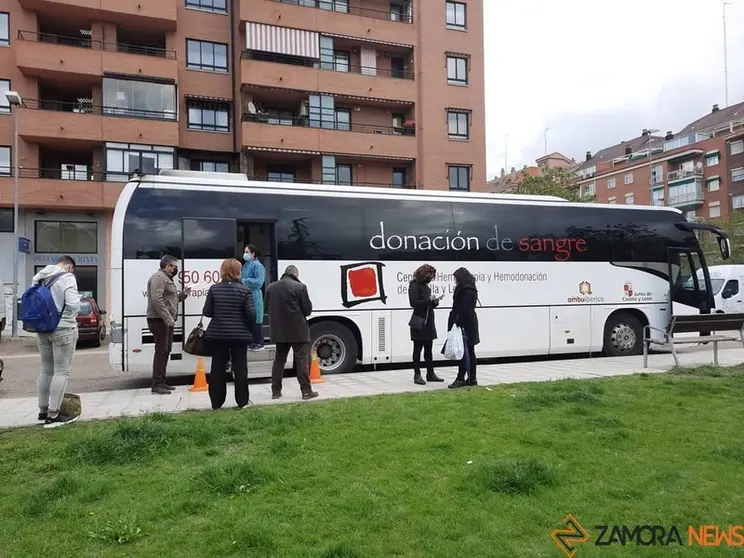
596, 73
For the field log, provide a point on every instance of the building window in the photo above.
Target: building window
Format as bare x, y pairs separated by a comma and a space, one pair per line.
456, 15
343, 174
335, 174
657, 175
322, 112
209, 5
6, 220
458, 125
330, 5
691, 215
397, 12
457, 70
629, 199
737, 202
4, 29
399, 178
279, 174
712, 160
714, 210
737, 147
203, 55
714, 184
628, 178
343, 119
211, 117
139, 99
4, 103
611, 182
459, 177
588, 190
737, 175
657, 196
341, 61
52, 237
210, 166
123, 159
5, 164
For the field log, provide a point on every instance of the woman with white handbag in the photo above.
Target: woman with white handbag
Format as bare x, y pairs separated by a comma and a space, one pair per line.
463, 315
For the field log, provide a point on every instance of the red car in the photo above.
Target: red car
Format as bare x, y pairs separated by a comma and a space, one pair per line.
90, 322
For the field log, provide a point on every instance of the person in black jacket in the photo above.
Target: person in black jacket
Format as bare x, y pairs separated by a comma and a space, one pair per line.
423, 328
230, 306
463, 315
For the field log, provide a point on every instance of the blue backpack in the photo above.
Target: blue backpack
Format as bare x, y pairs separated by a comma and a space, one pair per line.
39, 313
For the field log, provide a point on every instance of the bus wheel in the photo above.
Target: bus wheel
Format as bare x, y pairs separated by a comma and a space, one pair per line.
335, 345
623, 335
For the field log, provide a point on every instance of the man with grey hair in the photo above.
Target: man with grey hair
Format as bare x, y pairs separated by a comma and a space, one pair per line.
289, 306
163, 299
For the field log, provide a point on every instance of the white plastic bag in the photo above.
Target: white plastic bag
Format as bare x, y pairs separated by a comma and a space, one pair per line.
454, 348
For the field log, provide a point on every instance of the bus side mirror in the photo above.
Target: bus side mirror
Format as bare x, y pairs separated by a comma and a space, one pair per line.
725, 246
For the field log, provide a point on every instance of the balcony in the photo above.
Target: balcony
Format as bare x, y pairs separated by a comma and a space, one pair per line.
335, 137
684, 174
687, 196
162, 13
82, 121
55, 188
46, 54
372, 19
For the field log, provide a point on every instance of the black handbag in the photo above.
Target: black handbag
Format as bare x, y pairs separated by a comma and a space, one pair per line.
417, 322
196, 344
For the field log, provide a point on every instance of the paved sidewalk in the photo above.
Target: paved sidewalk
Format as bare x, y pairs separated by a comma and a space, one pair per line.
109, 404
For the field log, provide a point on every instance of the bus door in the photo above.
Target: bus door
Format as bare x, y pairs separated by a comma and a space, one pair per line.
206, 244
262, 234
689, 290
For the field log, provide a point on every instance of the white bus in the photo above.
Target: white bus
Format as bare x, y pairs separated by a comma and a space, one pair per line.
553, 277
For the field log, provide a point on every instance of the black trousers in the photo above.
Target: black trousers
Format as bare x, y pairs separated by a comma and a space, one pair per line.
237, 354
467, 365
257, 334
428, 356
163, 344
301, 364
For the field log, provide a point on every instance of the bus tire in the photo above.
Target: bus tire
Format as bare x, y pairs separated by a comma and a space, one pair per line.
335, 345
623, 335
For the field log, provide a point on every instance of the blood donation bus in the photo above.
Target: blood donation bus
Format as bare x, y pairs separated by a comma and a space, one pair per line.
554, 277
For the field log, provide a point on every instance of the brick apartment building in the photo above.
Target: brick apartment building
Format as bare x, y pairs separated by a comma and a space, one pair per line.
364, 92
507, 183
699, 170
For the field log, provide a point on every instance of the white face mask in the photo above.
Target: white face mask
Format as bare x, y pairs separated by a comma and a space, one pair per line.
247, 256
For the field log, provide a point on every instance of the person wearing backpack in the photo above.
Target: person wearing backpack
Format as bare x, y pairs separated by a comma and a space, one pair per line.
49, 309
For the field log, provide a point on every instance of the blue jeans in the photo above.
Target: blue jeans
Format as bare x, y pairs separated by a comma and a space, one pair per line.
56, 350
468, 363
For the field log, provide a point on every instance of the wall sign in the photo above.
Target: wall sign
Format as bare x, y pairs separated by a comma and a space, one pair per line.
51, 259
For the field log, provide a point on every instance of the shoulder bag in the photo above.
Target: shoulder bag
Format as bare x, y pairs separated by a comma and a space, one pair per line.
196, 344
417, 322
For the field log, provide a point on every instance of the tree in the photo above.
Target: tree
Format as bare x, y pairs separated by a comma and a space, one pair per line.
552, 182
734, 227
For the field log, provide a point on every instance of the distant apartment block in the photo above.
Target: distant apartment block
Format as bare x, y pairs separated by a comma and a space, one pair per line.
507, 183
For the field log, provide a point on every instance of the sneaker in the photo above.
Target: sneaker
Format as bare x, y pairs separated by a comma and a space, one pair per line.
161, 390
255, 348
60, 420
42, 417
309, 395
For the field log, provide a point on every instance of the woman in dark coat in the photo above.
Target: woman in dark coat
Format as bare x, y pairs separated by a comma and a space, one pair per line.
230, 306
423, 328
463, 315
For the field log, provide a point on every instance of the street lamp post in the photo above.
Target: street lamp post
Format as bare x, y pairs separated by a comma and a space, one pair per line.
16, 101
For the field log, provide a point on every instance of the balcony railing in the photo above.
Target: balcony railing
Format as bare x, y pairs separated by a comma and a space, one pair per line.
693, 197
265, 178
86, 42
83, 106
657, 202
322, 65
682, 174
307, 122
341, 6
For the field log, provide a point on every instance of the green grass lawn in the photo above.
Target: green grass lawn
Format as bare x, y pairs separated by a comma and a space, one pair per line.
466, 473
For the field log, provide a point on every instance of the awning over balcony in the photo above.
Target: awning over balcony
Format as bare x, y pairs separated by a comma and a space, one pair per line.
282, 40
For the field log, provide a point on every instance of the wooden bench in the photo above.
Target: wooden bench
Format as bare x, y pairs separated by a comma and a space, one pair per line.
705, 325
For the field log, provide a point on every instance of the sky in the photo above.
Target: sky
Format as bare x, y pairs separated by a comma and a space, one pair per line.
598, 72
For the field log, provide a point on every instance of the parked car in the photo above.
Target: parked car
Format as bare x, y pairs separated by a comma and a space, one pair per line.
90, 322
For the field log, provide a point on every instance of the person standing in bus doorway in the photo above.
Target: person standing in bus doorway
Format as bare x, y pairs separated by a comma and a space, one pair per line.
289, 306
230, 306
253, 277
423, 327
56, 348
163, 299
464, 316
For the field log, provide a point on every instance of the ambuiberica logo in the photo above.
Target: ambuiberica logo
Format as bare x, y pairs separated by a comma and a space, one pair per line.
573, 535
586, 295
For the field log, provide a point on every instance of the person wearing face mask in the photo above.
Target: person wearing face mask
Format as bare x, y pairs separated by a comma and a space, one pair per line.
163, 299
253, 277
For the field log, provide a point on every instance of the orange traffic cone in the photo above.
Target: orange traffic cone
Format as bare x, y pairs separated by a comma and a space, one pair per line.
315, 377
200, 379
